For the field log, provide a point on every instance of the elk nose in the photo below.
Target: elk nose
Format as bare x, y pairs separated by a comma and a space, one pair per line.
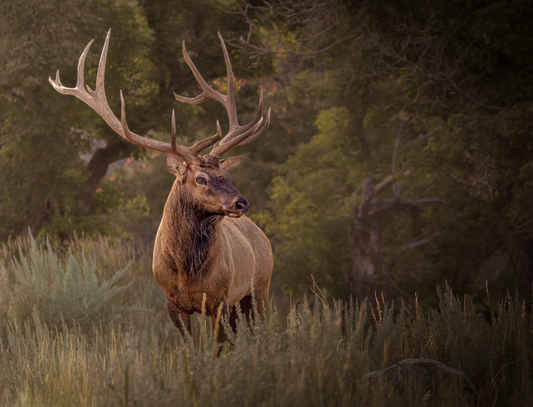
241, 204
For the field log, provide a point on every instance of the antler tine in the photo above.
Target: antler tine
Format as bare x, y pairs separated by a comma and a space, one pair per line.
190, 153
208, 93
97, 100
182, 152
256, 136
243, 139
80, 77
230, 98
100, 74
223, 147
173, 132
258, 115
246, 137
199, 146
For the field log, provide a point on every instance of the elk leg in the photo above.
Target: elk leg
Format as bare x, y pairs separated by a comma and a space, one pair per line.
222, 337
246, 307
233, 319
261, 297
181, 320
261, 300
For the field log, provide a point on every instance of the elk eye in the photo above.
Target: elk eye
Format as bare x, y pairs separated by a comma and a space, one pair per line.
200, 180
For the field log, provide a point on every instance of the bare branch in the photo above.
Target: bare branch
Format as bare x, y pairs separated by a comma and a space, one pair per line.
402, 205
412, 245
386, 183
395, 153
321, 51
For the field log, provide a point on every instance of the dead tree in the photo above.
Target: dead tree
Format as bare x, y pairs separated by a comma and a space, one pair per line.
368, 248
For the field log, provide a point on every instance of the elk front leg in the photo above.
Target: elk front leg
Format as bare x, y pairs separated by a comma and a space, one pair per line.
224, 313
261, 298
216, 321
246, 303
181, 320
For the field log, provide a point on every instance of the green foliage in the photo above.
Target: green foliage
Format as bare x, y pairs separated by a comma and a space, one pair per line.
499, 148
478, 79
62, 292
310, 218
458, 75
308, 208
111, 215
43, 134
150, 180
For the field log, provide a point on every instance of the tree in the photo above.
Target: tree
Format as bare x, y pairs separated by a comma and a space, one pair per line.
467, 63
42, 137
457, 74
319, 224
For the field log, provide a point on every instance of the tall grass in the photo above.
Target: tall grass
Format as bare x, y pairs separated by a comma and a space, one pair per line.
318, 355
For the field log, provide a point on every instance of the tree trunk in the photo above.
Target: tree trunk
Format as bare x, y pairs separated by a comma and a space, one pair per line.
367, 248
366, 257
97, 168
520, 250
37, 219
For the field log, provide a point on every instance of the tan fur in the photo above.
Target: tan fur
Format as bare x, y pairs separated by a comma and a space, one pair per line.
238, 254
243, 253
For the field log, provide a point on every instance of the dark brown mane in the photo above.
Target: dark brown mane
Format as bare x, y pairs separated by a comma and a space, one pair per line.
192, 232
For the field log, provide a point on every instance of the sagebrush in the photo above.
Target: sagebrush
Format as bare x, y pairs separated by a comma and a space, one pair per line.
63, 291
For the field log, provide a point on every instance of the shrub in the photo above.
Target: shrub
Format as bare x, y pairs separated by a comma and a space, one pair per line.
62, 291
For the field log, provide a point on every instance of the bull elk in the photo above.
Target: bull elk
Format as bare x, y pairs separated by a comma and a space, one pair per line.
206, 252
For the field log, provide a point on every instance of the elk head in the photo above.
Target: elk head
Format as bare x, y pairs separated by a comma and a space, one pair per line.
203, 178
205, 183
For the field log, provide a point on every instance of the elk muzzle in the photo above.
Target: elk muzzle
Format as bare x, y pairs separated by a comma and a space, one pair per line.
238, 207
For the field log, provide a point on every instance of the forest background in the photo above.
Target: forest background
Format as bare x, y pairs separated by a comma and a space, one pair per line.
400, 153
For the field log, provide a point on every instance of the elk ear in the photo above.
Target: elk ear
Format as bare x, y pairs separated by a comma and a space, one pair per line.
176, 167
229, 164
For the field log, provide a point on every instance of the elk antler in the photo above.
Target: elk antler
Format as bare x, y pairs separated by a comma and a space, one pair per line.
97, 100
237, 136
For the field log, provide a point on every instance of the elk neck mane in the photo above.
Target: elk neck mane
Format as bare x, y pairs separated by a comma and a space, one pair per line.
189, 233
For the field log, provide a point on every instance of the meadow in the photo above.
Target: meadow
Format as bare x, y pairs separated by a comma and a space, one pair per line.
85, 324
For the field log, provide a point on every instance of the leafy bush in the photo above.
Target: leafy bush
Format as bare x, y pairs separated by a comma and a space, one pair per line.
63, 292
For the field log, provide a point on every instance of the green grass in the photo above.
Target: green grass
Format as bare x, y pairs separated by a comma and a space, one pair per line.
318, 355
